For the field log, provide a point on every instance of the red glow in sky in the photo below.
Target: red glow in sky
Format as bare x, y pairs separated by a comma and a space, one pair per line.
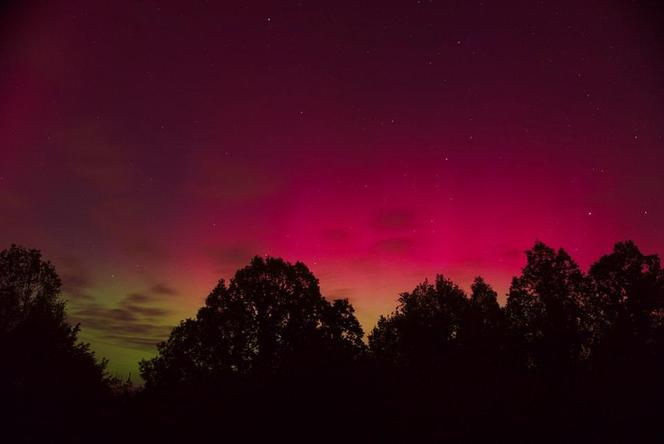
150, 148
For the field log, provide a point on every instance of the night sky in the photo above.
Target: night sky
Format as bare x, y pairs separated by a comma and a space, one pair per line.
149, 149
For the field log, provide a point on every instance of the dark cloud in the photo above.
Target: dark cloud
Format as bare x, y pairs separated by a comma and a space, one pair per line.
161, 288
335, 235
138, 342
230, 258
399, 245
234, 255
95, 311
513, 253
151, 312
137, 298
129, 323
394, 219
340, 293
121, 314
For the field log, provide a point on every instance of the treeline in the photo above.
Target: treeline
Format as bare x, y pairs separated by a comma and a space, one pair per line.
571, 357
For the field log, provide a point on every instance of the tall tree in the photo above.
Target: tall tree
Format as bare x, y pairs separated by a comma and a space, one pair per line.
271, 315
483, 328
425, 326
628, 302
29, 287
545, 309
46, 373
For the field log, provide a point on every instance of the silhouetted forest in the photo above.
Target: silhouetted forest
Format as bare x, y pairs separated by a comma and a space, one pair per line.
571, 357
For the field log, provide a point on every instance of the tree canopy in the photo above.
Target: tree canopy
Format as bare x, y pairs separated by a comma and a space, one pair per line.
271, 315
46, 372
578, 353
545, 308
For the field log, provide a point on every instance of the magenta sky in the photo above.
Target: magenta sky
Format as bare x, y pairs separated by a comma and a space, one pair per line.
149, 149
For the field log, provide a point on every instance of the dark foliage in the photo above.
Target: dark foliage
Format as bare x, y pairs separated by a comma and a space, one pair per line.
545, 310
571, 357
47, 377
266, 356
271, 317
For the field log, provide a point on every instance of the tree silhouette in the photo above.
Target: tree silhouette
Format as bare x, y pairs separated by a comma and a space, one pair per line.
545, 309
438, 361
628, 300
425, 326
483, 330
28, 287
270, 316
46, 373
267, 356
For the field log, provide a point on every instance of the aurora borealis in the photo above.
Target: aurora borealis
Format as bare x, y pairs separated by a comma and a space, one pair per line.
151, 148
